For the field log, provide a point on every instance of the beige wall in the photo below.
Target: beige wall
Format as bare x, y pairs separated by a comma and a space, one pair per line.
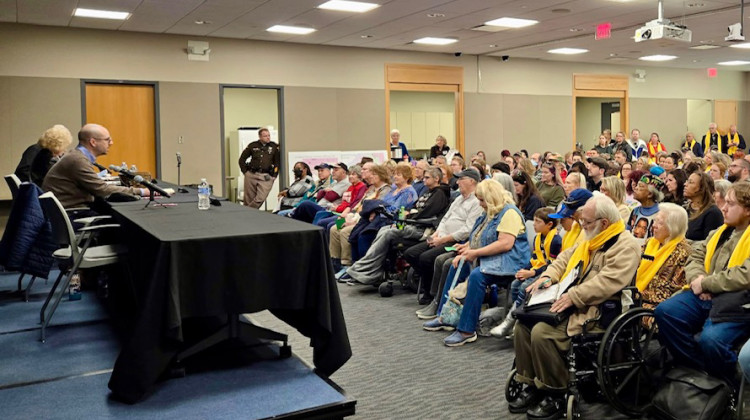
334, 96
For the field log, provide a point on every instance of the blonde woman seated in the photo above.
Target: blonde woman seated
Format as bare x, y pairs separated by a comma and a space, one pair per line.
661, 272
614, 188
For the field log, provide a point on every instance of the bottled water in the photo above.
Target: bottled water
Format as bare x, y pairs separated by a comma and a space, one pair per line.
203, 192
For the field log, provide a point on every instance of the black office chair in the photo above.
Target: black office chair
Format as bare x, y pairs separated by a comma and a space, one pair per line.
75, 252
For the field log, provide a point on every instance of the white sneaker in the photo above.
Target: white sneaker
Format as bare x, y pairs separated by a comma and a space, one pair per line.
428, 312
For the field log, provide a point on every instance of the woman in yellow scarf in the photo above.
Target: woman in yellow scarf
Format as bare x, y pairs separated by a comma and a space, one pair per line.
661, 271
654, 146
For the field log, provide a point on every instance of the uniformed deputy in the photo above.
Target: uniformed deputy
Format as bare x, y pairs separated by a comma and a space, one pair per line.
262, 169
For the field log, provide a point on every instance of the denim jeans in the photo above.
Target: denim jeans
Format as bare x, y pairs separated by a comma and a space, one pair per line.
744, 360
475, 292
681, 317
518, 289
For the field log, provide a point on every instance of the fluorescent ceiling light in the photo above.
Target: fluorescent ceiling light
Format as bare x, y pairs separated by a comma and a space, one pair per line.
744, 45
658, 57
348, 6
704, 47
101, 14
507, 22
435, 41
734, 63
568, 51
296, 30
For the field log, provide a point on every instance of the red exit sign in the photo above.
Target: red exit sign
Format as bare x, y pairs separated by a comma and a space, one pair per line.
604, 30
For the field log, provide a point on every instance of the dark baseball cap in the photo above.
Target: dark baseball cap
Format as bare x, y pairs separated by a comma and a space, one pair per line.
323, 166
599, 162
341, 165
470, 173
575, 201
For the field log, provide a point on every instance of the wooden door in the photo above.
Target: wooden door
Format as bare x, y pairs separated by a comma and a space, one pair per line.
127, 111
725, 114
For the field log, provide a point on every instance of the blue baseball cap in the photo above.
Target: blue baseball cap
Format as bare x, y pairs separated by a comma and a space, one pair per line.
656, 170
575, 201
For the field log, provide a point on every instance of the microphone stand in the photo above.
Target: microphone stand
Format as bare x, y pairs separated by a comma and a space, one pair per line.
179, 164
151, 195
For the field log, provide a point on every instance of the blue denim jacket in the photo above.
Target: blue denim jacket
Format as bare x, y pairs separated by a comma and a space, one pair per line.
508, 263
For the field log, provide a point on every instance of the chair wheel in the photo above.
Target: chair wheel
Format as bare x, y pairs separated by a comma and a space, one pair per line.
572, 411
386, 289
512, 387
413, 280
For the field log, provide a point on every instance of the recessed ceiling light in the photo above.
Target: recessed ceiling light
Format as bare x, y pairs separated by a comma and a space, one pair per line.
296, 30
734, 63
493, 45
348, 6
365, 36
435, 15
704, 47
202, 22
508, 22
658, 57
101, 14
435, 41
568, 51
745, 45
576, 29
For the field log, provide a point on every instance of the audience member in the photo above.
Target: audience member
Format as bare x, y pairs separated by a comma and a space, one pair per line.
418, 183
648, 193
55, 142
440, 148
398, 148
528, 198
303, 182
692, 145
735, 141
550, 186
621, 145
457, 166
500, 167
328, 199
602, 147
654, 146
24, 165
739, 170
569, 215
73, 179
497, 248
721, 187
718, 171
715, 140
614, 188
610, 258
714, 305
705, 216
674, 187
507, 182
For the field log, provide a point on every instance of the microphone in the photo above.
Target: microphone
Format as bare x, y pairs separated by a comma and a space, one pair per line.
121, 170
139, 179
101, 167
179, 158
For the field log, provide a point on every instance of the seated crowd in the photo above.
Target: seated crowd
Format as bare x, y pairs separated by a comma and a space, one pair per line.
625, 213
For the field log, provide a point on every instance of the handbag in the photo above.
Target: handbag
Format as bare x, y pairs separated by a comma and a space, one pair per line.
531, 314
691, 394
452, 308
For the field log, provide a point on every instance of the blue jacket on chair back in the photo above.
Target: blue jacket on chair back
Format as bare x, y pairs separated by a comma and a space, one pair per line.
507, 263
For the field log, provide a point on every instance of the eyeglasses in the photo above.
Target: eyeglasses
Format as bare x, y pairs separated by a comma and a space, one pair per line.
586, 223
108, 139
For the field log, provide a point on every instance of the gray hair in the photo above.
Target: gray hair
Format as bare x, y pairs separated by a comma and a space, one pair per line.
656, 194
356, 169
507, 182
435, 172
722, 187
675, 219
605, 208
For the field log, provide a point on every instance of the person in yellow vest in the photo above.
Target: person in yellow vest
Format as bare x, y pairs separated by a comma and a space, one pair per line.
654, 146
717, 297
735, 141
569, 215
692, 145
547, 244
712, 139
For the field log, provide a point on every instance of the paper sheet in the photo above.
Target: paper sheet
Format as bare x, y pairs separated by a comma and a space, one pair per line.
554, 292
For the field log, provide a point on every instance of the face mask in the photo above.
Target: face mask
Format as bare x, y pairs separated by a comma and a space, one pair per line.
535, 163
298, 173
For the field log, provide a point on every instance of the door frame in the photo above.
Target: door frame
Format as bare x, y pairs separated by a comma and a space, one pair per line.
282, 130
157, 117
602, 86
425, 78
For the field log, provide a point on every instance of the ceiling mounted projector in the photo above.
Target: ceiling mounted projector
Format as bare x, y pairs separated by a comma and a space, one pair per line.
662, 28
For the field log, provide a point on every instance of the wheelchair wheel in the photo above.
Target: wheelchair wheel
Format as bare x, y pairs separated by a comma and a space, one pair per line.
386, 289
573, 411
512, 387
627, 358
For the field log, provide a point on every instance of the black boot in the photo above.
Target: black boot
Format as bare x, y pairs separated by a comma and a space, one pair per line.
528, 397
552, 407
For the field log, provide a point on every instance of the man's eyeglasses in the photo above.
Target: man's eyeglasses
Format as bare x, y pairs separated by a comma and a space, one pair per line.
586, 223
108, 139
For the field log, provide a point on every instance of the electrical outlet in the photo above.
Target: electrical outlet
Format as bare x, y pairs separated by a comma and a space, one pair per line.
179, 140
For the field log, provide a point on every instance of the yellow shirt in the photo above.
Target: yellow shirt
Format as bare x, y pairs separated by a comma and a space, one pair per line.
511, 223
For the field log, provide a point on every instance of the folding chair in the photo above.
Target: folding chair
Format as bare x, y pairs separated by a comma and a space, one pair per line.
74, 253
13, 183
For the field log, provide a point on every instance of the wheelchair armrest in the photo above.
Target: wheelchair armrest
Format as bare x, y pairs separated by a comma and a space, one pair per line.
584, 327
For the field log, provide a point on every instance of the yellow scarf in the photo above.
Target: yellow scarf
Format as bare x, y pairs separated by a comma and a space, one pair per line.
539, 259
735, 139
740, 253
650, 266
652, 151
570, 237
708, 142
584, 250
691, 145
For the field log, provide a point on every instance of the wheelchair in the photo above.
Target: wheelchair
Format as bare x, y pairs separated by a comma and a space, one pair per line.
617, 366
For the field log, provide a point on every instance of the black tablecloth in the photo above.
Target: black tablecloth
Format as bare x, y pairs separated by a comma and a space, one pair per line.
190, 263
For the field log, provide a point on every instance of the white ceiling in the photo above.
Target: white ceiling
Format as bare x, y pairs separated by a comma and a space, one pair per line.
563, 23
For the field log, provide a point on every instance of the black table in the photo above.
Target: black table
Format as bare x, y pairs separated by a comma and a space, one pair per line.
189, 263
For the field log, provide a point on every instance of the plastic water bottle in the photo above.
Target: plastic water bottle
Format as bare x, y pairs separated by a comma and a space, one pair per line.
203, 192
133, 168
